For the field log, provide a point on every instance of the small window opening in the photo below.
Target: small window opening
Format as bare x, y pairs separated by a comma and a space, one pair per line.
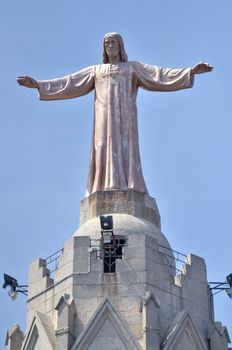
112, 251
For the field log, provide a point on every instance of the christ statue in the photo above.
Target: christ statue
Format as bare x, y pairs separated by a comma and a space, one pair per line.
115, 160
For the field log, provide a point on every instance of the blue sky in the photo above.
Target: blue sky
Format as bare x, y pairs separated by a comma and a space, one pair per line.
185, 137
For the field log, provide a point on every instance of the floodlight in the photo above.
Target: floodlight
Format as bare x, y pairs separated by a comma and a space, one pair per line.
106, 222
229, 279
14, 287
10, 281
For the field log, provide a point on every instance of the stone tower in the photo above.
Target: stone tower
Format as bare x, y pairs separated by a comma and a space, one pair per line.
120, 290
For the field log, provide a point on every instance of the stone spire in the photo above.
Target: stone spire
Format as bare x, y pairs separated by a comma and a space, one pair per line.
144, 304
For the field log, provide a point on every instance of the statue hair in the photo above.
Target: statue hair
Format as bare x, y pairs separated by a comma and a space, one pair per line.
122, 52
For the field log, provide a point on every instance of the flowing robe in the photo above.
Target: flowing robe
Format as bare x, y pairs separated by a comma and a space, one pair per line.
115, 160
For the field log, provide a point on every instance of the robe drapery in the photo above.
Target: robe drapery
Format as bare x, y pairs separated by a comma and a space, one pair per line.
115, 160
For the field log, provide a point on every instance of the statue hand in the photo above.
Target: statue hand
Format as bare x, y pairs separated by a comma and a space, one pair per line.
202, 67
28, 82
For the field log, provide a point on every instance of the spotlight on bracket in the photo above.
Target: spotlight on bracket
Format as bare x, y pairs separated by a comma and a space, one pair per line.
12, 283
217, 287
14, 287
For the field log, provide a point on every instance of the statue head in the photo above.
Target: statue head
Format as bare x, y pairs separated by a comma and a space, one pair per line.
120, 45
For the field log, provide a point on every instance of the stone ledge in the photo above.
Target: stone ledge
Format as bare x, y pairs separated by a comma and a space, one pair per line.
130, 202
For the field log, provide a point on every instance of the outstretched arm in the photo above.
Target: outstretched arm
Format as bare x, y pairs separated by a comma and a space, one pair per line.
167, 79
154, 78
70, 86
28, 82
201, 67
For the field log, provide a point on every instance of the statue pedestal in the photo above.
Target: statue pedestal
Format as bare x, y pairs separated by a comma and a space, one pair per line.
128, 202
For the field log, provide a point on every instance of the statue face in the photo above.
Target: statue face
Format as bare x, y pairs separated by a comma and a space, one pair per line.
112, 46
